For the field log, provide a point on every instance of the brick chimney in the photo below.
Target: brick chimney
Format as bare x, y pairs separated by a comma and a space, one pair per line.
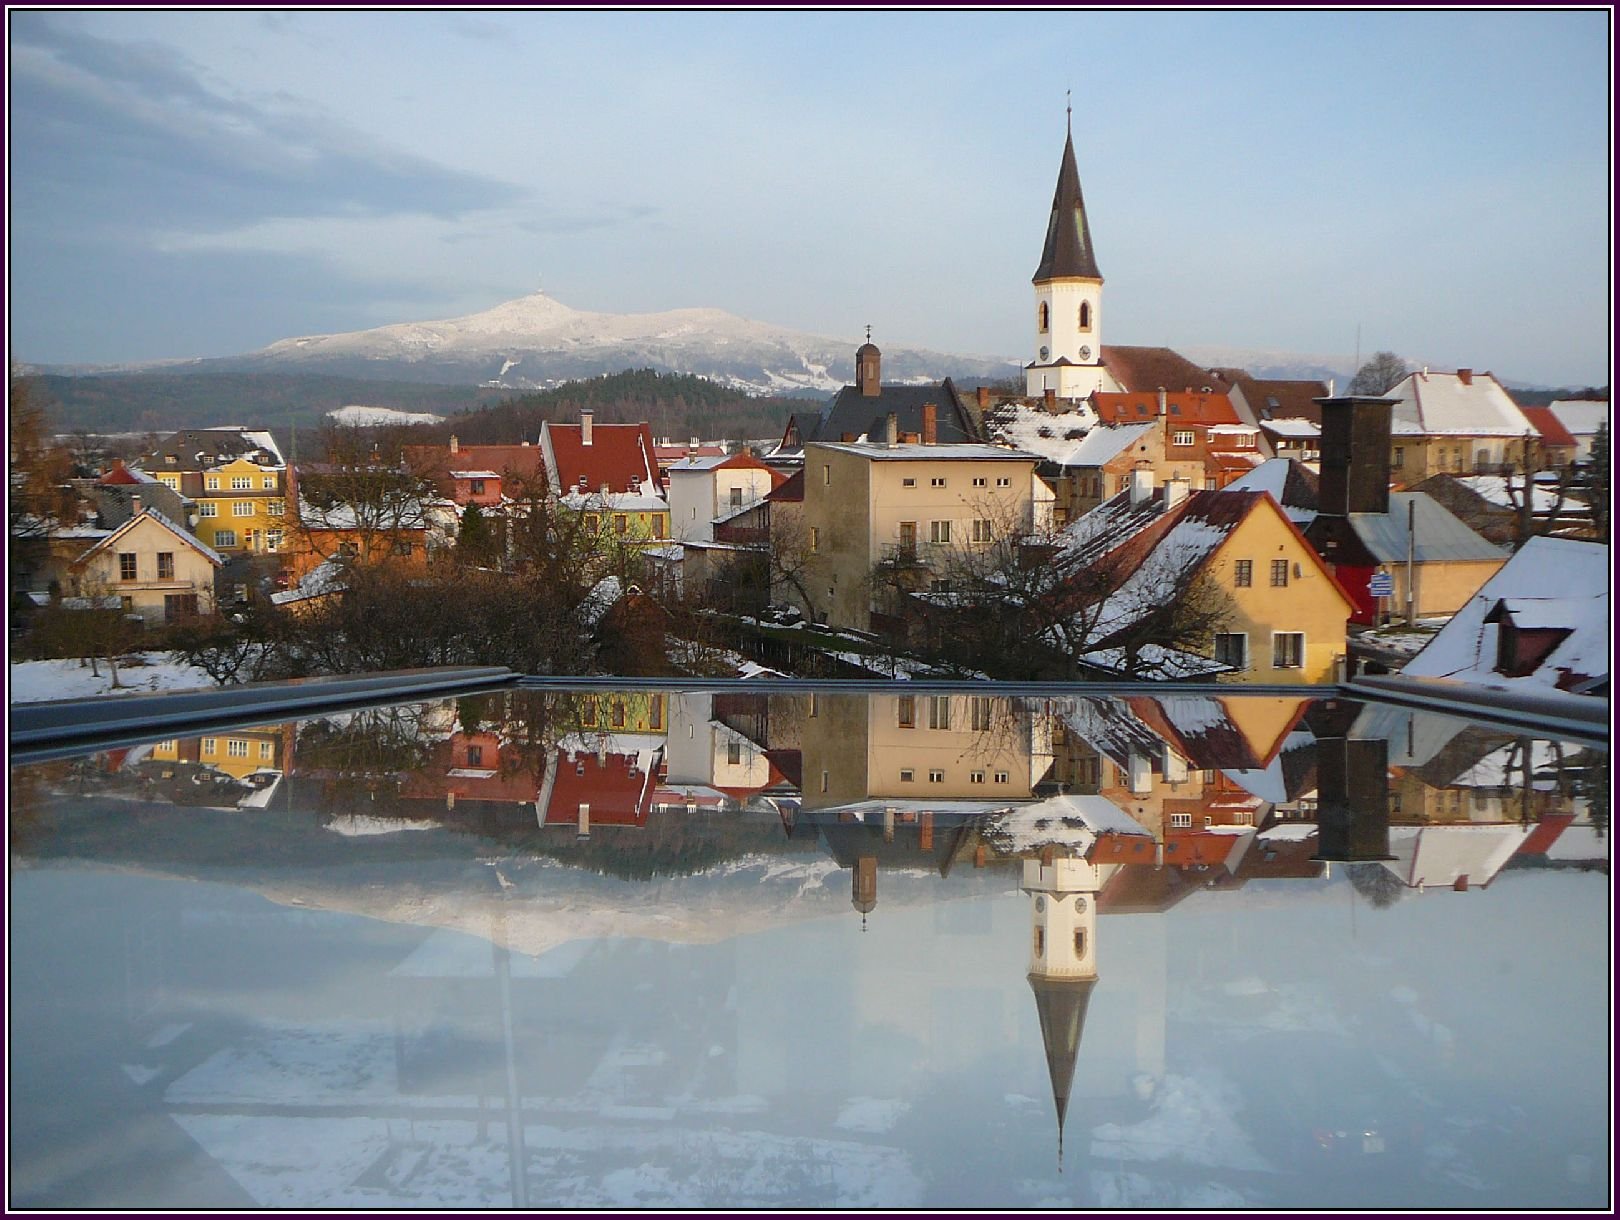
891, 430
1466, 376
1164, 403
134, 506
1461, 884
455, 445
984, 397
1050, 400
586, 419
930, 432
1355, 455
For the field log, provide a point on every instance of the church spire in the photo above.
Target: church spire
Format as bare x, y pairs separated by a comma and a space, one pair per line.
1068, 251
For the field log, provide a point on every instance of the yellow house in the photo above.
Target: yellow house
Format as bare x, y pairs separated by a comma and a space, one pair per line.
1273, 612
638, 518
1454, 423
922, 748
236, 478
237, 752
915, 505
157, 569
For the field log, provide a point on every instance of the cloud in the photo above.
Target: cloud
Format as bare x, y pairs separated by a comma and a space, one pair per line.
118, 137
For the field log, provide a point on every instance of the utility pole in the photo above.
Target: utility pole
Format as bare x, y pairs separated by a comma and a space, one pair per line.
1411, 556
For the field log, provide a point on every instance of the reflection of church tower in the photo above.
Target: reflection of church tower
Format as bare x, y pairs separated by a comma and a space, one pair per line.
1062, 963
863, 887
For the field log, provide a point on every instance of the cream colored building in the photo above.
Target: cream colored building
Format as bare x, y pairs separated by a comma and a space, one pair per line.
909, 504
158, 570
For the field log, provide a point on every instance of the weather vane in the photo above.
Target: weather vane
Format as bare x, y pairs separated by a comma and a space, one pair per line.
1068, 107
869, 332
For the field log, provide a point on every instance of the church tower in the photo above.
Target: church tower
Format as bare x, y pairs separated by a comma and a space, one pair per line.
1062, 963
1068, 298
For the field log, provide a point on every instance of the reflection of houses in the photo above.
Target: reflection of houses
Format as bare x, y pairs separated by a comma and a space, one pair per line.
712, 761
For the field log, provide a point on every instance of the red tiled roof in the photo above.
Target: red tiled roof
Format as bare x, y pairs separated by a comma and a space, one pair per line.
1552, 431
1194, 409
1146, 369
120, 476
1271, 398
622, 456
617, 794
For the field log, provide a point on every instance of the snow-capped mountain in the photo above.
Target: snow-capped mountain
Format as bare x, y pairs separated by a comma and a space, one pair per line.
535, 342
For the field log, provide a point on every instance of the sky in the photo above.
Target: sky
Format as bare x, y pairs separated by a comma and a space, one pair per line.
205, 183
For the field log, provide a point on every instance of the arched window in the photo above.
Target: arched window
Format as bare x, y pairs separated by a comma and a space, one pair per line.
1079, 943
1085, 315
1043, 317
1040, 942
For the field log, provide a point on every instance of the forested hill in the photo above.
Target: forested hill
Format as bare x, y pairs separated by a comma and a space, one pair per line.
677, 405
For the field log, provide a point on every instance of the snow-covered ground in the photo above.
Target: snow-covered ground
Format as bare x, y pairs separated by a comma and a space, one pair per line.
359, 415
35, 681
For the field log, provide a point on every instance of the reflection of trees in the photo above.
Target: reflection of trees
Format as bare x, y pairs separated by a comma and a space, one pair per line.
366, 752
1380, 887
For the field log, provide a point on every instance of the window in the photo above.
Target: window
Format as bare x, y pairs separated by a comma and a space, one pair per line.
658, 525
815, 699
826, 476
165, 565
272, 540
207, 508
939, 711
211, 482
1288, 650
908, 482
815, 539
618, 715
620, 523
908, 539
275, 508
826, 779
733, 752
210, 745
936, 776
906, 711
975, 777
478, 487
587, 713
939, 531
1043, 317
1243, 573
655, 714
1246, 440
979, 709
592, 522
224, 538
1232, 648
404, 547
179, 606
907, 776
736, 497
235, 747
267, 750
126, 565
1001, 777
978, 480
243, 508
1003, 481
171, 481
981, 529
937, 482
1279, 573
1040, 941
1085, 315
1399, 458
939, 585
475, 756
1182, 438
241, 482
268, 483
1180, 821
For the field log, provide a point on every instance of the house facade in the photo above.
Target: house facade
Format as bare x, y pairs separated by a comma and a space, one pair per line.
904, 504
157, 569
1454, 423
238, 481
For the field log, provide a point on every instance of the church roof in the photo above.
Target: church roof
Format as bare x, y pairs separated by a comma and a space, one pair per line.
1068, 249
1149, 369
1061, 1005
852, 415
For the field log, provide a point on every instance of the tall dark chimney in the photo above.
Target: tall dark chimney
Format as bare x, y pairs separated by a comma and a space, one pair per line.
1355, 455
930, 424
1352, 812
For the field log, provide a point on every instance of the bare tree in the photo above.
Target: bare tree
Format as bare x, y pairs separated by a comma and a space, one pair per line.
1378, 374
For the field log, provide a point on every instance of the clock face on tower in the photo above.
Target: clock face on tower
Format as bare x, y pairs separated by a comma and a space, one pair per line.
1046, 353
1085, 352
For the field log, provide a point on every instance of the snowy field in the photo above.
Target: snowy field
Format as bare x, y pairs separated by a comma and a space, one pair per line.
35, 681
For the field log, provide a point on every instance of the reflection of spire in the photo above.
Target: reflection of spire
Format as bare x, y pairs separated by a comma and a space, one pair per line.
1061, 1005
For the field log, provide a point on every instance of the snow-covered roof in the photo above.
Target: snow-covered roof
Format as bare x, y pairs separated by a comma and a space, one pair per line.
617, 501
473, 474
409, 514
1037, 430
1494, 488
1581, 416
1449, 403
1576, 574
325, 577
189, 539
1445, 854
1284, 481
1302, 429
1102, 444
1067, 820
1439, 536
